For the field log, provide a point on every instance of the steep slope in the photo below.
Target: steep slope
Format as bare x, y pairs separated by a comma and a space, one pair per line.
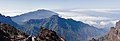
113, 35
8, 20
39, 14
9, 33
70, 29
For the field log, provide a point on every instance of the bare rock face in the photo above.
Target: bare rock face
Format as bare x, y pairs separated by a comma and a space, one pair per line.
48, 35
113, 34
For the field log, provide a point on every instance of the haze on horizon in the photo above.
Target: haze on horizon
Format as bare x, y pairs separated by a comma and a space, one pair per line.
99, 13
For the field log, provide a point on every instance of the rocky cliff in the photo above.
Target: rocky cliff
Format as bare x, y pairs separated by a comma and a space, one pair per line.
48, 35
113, 34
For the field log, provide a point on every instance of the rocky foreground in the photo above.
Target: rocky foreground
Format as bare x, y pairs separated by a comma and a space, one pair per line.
9, 33
113, 35
48, 35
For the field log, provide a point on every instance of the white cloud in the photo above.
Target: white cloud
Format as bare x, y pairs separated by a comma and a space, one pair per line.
108, 23
104, 23
14, 12
97, 17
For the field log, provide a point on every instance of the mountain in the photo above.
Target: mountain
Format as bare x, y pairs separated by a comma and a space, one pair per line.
8, 20
39, 14
113, 34
10, 33
69, 29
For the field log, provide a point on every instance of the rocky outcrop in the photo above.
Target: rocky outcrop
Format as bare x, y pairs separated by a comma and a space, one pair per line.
9, 33
48, 35
113, 34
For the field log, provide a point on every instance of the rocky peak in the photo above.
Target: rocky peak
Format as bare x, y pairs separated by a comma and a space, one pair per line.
9, 33
118, 24
48, 35
113, 34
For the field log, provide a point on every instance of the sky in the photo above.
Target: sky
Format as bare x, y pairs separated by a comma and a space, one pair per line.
18, 6
98, 13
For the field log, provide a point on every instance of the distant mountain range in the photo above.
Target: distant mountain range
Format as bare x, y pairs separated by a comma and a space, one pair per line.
8, 32
69, 29
39, 14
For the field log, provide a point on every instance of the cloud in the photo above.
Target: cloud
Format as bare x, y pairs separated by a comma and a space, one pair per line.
13, 12
100, 18
108, 23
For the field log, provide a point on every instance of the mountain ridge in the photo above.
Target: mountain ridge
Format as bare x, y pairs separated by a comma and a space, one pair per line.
66, 27
10, 33
8, 20
69, 29
39, 14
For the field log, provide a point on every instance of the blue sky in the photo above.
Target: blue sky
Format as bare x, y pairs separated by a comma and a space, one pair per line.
59, 4
95, 12
15, 7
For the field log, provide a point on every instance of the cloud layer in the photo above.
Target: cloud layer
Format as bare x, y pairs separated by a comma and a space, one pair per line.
101, 18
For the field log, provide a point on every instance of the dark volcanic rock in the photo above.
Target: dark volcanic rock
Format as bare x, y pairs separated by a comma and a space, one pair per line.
48, 35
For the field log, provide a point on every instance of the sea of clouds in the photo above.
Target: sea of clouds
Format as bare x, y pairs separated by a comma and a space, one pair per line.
100, 18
